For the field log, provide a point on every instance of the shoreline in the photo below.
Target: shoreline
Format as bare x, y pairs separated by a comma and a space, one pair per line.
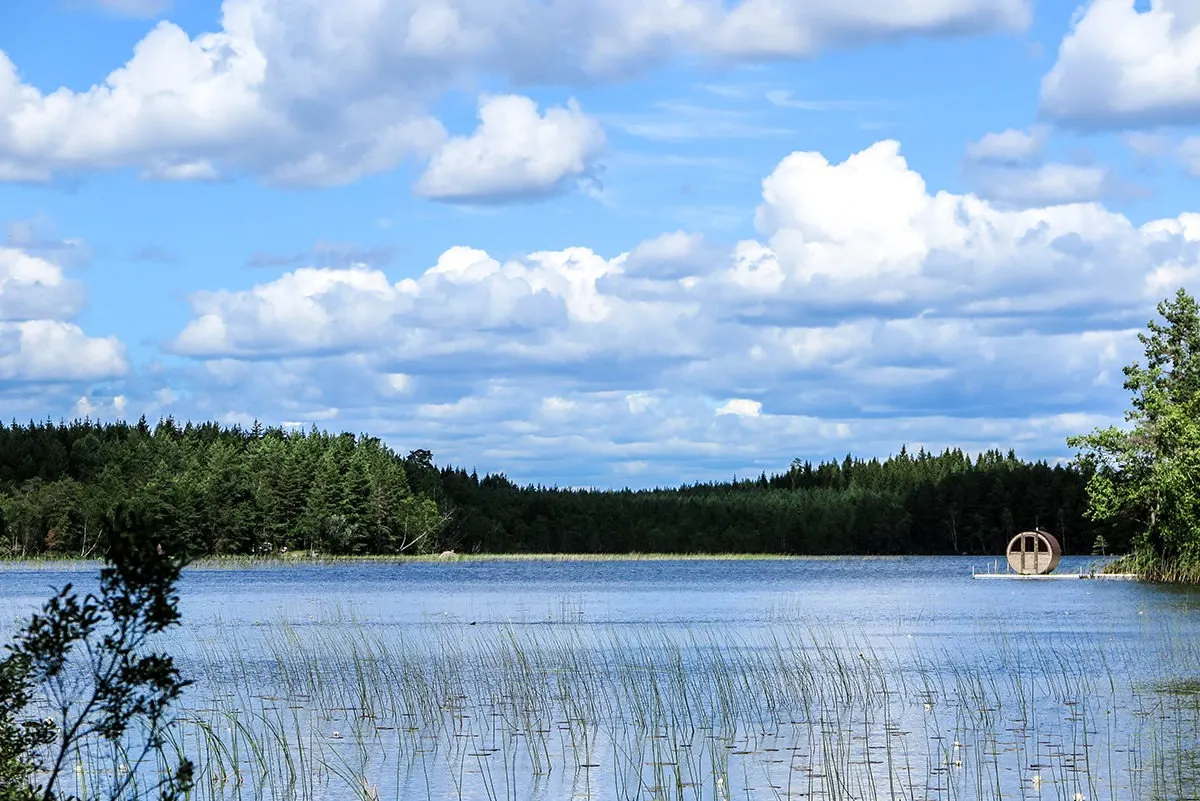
317, 560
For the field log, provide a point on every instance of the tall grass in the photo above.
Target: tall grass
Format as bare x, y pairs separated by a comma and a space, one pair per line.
454, 711
313, 558
227, 561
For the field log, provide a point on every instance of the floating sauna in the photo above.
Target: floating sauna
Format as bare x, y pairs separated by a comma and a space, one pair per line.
1033, 553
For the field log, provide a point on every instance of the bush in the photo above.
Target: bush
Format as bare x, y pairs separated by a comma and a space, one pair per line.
81, 686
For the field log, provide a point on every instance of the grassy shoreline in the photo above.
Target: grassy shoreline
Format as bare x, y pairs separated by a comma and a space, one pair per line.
308, 559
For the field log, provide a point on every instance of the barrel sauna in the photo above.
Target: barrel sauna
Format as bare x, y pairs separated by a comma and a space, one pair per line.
1033, 553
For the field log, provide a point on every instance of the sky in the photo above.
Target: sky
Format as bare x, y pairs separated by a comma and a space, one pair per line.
596, 242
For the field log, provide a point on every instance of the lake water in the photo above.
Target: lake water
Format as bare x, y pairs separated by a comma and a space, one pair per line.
838, 679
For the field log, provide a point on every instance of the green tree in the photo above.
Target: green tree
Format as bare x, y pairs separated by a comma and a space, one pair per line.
89, 661
1148, 473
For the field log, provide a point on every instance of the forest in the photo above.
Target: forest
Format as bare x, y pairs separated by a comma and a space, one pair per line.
264, 490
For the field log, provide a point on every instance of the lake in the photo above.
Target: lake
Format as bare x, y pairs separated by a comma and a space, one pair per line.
705, 679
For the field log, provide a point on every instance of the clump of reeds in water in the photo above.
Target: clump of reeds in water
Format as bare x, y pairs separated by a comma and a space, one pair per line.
1150, 568
618, 713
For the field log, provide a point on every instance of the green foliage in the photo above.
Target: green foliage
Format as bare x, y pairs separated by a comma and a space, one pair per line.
907, 504
1148, 472
80, 684
265, 490
233, 491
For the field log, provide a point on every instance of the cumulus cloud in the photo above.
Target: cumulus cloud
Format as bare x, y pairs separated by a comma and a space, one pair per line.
1010, 146
36, 237
868, 228
51, 350
1043, 184
1008, 167
657, 268
34, 288
741, 407
37, 340
185, 109
515, 153
869, 308
99, 406
1124, 67
308, 92
863, 232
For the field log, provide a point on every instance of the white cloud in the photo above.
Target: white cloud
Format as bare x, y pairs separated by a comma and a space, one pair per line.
317, 93
1008, 167
49, 350
185, 109
868, 228
98, 407
741, 407
1150, 146
674, 256
309, 309
182, 171
84, 407
557, 406
1147, 145
677, 246
781, 27
1189, 154
869, 310
500, 426
639, 402
515, 152
863, 233
36, 237
397, 383
1042, 185
1121, 67
37, 340
32, 287
1007, 147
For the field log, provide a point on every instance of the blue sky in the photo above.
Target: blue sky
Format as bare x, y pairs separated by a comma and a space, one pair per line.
596, 242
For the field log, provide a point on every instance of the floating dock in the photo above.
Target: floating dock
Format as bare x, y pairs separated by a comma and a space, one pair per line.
1058, 576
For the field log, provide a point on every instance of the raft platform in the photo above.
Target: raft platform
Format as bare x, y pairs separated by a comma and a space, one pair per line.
1056, 576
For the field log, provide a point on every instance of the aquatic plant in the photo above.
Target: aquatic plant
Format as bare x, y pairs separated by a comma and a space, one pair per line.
524, 711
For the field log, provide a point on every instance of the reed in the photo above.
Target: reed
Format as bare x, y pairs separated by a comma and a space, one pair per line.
230, 561
1149, 568
513, 712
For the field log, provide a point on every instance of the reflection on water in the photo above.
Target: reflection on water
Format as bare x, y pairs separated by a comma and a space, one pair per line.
823, 679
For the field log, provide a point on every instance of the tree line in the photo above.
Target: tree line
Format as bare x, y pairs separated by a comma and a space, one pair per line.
921, 503
234, 490
227, 490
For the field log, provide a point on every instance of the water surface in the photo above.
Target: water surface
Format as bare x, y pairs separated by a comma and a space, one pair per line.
838, 678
